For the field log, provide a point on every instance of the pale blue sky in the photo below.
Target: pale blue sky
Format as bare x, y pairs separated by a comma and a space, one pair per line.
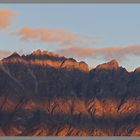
116, 24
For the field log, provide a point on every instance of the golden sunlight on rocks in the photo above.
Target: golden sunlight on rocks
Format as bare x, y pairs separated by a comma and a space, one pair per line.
43, 94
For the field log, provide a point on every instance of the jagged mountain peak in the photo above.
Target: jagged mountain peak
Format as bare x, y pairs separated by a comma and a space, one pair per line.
137, 70
39, 53
43, 55
88, 103
48, 59
65, 62
13, 55
113, 64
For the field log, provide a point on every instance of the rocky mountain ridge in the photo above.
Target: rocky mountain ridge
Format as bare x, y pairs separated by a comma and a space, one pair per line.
44, 94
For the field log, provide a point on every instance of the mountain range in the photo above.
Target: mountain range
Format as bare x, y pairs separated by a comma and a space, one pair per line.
44, 94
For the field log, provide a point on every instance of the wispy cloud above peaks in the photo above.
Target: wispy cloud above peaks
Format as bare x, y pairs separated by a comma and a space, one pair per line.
119, 53
53, 35
77, 51
6, 17
47, 35
77, 45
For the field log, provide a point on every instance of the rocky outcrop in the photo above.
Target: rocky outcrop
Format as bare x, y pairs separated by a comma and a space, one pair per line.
109, 66
43, 94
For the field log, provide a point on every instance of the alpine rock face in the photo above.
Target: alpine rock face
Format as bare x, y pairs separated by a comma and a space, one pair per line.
44, 94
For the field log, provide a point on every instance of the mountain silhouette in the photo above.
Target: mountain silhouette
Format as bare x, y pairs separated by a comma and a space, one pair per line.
44, 94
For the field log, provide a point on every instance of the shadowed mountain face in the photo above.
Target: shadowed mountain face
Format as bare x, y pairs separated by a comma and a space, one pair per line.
43, 94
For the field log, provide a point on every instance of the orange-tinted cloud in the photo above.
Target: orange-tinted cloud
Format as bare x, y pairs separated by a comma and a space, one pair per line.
118, 53
61, 36
5, 17
77, 51
47, 35
4, 53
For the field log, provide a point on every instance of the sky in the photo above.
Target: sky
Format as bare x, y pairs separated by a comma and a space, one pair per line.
94, 33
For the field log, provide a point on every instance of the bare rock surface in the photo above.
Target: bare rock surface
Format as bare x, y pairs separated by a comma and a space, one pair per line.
44, 94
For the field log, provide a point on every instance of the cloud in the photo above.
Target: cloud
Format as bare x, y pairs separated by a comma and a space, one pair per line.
118, 53
4, 53
77, 51
5, 17
54, 36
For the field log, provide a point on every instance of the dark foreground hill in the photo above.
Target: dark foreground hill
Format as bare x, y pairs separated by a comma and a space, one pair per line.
43, 94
